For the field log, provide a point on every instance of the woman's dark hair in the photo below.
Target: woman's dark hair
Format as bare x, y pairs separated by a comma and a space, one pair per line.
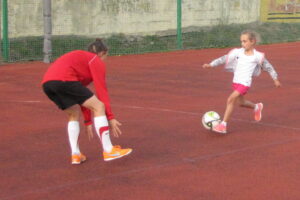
97, 46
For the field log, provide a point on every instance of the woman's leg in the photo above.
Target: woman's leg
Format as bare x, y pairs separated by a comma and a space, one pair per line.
95, 105
100, 121
73, 133
110, 152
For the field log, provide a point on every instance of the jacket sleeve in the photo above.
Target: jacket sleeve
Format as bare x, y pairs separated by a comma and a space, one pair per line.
97, 68
266, 66
219, 61
86, 115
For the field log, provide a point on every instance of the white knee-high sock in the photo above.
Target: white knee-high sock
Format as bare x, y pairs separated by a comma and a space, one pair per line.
73, 132
102, 130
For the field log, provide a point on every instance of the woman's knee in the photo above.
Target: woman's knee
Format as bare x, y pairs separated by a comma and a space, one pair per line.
73, 113
95, 105
99, 107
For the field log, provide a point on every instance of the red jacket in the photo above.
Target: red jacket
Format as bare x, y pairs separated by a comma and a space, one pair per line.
84, 67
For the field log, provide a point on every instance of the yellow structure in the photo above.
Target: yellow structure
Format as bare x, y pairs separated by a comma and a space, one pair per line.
280, 10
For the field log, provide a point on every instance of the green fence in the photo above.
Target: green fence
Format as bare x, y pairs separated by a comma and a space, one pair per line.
22, 39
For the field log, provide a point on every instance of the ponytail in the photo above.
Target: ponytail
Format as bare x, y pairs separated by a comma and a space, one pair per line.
97, 46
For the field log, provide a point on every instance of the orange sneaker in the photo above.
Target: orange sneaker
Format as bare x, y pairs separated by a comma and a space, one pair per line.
220, 128
78, 159
258, 112
116, 152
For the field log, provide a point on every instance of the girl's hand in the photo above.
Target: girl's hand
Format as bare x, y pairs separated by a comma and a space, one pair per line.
114, 126
89, 131
206, 66
277, 83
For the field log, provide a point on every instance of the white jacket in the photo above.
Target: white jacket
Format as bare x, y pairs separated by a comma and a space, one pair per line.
230, 60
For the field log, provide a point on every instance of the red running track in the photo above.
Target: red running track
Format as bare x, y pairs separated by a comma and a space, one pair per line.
159, 98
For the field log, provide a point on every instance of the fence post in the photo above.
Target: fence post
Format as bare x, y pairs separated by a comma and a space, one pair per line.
5, 43
179, 31
47, 49
1, 60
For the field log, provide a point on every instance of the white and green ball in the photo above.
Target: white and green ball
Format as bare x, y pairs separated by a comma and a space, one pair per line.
210, 119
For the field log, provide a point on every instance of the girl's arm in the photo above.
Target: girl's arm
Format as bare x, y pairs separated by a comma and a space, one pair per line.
219, 61
216, 62
266, 66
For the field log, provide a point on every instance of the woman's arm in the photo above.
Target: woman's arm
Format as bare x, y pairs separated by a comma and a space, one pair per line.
97, 69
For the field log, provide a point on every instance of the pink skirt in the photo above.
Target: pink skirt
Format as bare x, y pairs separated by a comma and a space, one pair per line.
240, 88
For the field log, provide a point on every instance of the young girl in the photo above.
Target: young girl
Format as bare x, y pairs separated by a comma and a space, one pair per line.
245, 63
65, 84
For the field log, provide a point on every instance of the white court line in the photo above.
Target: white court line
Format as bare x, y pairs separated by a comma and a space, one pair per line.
17, 101
199, 114
145, 169
157, 109
175, 111
268, 124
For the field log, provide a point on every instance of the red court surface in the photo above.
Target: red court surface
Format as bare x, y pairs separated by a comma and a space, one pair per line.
159, 98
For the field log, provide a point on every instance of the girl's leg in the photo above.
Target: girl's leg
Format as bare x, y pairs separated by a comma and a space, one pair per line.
245, 103
256, 107
231, 101
100, 121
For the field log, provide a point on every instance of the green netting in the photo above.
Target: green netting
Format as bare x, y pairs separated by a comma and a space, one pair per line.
228, 35
66, 38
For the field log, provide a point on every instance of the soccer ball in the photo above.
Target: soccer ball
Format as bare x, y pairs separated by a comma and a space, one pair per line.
210, 119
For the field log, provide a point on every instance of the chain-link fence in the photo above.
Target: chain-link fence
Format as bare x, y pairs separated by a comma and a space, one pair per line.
140, 26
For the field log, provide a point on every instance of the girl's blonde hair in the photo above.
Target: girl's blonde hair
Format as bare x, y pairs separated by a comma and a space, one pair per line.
252, 35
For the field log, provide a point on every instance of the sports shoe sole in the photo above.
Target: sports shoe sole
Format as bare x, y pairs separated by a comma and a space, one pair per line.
78, 163
262, 106
109, 159
222, 132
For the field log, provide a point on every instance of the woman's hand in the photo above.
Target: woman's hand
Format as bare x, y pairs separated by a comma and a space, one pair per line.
114, 127
89, 131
